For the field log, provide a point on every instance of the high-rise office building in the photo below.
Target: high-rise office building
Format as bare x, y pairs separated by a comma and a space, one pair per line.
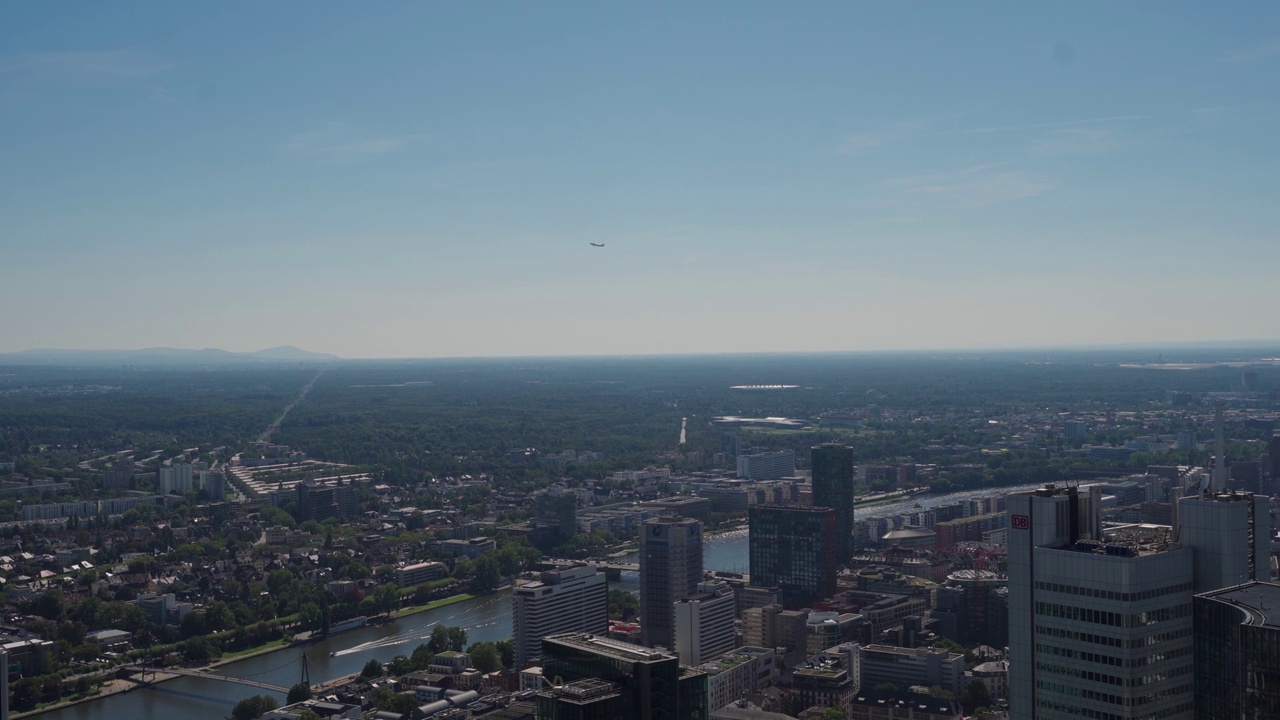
572, 599
1230, 535
1237, 633
793, 548
601, 678
832, 471
670, 570
1099, 624
1100, 620
704, 623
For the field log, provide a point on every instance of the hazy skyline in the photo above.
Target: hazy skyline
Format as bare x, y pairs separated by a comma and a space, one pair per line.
417, 180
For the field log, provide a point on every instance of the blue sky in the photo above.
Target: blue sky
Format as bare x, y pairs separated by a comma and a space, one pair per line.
423, 179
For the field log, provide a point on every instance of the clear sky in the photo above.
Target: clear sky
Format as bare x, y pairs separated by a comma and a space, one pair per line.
424, 179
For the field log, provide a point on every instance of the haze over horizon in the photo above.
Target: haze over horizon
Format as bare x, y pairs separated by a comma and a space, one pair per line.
414, 180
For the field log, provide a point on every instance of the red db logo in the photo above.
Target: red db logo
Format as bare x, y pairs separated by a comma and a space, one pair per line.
1020, 522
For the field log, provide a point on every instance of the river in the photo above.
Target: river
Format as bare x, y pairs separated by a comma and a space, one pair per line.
485, 619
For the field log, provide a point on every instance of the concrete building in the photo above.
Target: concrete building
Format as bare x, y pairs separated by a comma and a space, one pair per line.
670, 570
175, 478
213, 483
824, 681
704, 623
832, 469
418, 573
771, 626
572, 599
737, 674
905, 667
794, 548
879, 704
767, 466
1230, 536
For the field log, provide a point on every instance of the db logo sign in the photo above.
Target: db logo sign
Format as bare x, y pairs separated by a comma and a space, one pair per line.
1020, 522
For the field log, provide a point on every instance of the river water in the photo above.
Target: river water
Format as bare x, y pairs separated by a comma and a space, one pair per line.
485, 619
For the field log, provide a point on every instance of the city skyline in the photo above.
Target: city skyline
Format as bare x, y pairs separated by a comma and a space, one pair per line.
427, 181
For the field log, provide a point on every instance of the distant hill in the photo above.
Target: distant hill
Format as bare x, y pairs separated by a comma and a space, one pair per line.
161, 356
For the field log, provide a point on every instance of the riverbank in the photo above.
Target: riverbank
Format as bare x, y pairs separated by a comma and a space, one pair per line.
117, 686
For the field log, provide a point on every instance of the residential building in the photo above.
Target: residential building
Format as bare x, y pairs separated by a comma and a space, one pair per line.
177, 477
832, 473
670, 570
734, 675
824, 681
572, 599
793, 548
704, 623
214, 484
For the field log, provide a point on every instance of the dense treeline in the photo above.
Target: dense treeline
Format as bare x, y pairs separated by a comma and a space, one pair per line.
114, 408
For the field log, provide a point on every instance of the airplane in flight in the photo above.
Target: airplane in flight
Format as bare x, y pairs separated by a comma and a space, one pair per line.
597, 244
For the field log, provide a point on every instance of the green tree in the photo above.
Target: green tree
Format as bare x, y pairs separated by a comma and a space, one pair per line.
372, 669
387, 598
49, 605
486, 574
439, 640
423, 655
976, 695
310, 615
833, 714
298, 693
485, 657
251, 708
457, 638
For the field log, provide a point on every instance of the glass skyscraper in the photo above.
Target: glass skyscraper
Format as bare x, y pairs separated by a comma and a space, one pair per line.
832, 469
793, 548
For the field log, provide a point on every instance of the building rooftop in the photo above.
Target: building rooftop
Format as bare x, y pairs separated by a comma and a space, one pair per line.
614, 648
1260, 602
1132, 540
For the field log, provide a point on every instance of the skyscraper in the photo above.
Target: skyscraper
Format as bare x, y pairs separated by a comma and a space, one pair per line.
793, 548
1099, 624
572, 599
670, 570
1100, 620
832, 467
1237, 666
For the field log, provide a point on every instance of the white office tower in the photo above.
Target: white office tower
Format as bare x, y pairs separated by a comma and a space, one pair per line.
1099, 623
704, 623
572, 599
1230, 534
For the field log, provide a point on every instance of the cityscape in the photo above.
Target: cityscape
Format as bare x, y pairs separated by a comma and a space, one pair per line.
730, 360
821, 536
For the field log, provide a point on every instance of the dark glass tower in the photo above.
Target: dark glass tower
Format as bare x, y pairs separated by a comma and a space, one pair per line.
1237, 653
832, 467
616, 680
793, 548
